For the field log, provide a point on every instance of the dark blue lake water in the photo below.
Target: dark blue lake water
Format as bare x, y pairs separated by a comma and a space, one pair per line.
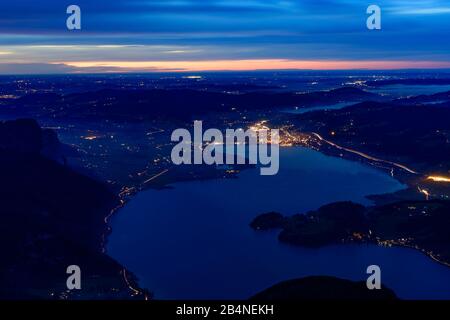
336, 106
194, 242
404, 90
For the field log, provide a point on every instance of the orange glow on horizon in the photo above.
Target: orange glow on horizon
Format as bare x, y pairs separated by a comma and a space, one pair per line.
255, 64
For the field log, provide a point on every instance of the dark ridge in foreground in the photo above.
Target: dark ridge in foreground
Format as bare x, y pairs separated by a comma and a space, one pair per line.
323, 288
51, 218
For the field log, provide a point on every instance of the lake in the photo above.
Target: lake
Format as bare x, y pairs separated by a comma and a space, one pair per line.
194, 241
336, 106
405, 90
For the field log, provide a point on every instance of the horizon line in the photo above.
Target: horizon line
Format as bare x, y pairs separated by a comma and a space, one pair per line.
253, 65
243, 65
75, 73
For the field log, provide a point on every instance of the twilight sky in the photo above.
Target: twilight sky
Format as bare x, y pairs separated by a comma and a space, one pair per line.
192, 35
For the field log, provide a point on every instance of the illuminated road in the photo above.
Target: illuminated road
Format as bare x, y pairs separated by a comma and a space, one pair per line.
438, 179
135, 291
364, 155
156, 176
